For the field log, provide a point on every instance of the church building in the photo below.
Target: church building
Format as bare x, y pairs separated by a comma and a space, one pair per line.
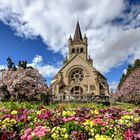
78, 80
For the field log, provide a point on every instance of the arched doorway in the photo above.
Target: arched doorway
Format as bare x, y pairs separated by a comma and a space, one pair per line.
76, 93
77, 90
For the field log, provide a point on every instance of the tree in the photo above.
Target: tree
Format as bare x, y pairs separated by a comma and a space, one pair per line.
130, 89
137, 63
14, 68
22, 64
130, 69
10, 63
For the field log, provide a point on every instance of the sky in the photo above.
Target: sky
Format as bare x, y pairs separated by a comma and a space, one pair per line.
38, 31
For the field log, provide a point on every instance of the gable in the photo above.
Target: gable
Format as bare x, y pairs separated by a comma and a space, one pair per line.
77, 62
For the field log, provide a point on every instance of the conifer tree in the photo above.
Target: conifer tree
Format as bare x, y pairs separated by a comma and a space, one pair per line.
22, 64
10, 63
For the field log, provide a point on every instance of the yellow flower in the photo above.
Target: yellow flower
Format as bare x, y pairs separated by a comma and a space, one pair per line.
88, 122
55, 136
102, 137
91, 112
127, 117
7, 120
137, 119
63, 130
66, 136
14, 112
38, 112
35, 119
68, 113
121, 121
13, 121
96, 112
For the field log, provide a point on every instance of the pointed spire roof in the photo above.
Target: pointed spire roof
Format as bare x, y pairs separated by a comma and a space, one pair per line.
77, 35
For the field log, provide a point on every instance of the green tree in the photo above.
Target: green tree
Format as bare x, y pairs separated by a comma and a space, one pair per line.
137, 63
10, 63
22, 64
14, 68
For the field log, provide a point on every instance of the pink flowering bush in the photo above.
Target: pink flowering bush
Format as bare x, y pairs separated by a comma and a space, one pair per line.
130, 89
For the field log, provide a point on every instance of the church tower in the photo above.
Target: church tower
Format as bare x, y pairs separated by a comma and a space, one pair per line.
78, 45
78, 80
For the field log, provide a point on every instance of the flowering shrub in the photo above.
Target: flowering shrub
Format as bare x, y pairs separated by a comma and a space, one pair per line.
82, 123
130, 89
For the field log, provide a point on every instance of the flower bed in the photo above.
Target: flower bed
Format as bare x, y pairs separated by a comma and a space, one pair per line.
70, 123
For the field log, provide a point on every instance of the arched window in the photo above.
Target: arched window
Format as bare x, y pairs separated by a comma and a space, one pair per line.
77, 50
102, 90
81, 50
73, 50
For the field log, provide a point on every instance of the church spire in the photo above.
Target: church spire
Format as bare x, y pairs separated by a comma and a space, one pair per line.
77, 35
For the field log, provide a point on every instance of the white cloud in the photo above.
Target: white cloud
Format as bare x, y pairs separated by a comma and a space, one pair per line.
113, 86
3, 67
109, 45
45, 69
125, 71
37, 59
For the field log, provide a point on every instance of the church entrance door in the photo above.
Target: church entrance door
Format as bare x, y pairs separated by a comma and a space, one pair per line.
76, 93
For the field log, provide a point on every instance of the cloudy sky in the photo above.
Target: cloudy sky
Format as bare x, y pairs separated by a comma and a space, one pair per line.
37, 31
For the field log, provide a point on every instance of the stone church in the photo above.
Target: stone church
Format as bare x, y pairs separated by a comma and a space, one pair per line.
78, 80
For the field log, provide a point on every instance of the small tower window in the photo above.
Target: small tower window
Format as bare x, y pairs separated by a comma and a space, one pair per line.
81, 50
73, 50
77, 50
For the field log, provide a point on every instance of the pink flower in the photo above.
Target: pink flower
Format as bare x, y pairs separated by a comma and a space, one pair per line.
24, 137
28, 131
29, 137
128, 135
73, 118
104, 124
76, 122
97, 121
65, 119
38, 127
40, 134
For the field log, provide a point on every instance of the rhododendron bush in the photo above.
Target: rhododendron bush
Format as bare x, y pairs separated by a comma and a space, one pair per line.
70, 123
130, 89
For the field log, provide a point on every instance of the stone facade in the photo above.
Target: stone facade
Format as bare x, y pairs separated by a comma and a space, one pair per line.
78, 79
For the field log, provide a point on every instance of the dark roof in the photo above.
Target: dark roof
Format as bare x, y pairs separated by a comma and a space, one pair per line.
77, 35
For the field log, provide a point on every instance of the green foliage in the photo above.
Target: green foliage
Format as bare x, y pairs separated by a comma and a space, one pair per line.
10, 64
22, 64
123, 105
130, 69
14, 68
35, 105
137, 63
6, 94
71, 126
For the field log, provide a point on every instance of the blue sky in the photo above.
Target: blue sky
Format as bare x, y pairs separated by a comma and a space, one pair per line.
38, 32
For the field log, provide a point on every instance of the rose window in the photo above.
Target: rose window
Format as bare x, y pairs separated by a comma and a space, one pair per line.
77, 75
